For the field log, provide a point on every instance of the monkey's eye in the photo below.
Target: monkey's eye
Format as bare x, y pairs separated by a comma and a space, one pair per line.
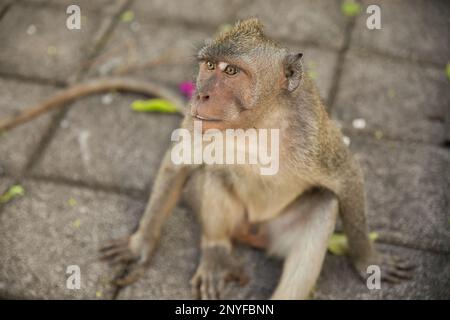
210, 65
231, 70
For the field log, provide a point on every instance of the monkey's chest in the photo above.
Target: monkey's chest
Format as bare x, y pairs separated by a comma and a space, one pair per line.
265, 197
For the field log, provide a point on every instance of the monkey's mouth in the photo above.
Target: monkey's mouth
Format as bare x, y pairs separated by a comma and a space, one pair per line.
201, 118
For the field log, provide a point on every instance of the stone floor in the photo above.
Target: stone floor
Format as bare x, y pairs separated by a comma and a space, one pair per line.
87, 169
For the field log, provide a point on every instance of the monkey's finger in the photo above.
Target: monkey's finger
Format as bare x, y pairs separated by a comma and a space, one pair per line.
403, 264
243, 279
240, 277
212, 286
111, 253
390, 279
222, 287
401, 274
114, 243
195, 286
204, 288
130, 277
122, 257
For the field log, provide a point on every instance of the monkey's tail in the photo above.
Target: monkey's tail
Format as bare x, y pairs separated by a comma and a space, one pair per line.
90, 87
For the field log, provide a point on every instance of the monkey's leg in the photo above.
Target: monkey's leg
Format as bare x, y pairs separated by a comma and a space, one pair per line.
219, 212
301, 235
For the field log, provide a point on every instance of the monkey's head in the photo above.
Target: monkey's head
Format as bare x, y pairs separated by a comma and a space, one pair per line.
241, 72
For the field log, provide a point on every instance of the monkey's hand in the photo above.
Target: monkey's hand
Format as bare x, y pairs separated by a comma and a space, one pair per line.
216, 268
132, 252
394, 269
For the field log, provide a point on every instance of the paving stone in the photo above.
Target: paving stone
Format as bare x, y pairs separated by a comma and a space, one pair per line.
431, 278
405, 184
42, 234
401, 100
193, 11
18, 144
176, 259
108, 143
319, 22
150, 50
414, 29
57, 54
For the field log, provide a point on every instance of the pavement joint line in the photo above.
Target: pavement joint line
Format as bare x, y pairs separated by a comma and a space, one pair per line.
386, 138
374, 52
395, 241
135, 194
4, 10
339, 68
43, 143
33, 79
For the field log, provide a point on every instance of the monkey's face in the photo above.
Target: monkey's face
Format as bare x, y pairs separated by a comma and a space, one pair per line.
225, 95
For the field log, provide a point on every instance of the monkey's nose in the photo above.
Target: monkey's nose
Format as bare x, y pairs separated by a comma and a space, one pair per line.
203, 97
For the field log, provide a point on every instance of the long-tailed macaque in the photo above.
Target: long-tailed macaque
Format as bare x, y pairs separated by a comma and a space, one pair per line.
246, 81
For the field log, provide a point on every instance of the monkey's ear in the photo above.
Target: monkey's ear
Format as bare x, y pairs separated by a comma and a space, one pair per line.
293, 70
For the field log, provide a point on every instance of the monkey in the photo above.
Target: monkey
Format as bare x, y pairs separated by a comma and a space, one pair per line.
246, 80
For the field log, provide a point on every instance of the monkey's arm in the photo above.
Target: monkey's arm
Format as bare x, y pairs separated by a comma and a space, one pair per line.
88, 88
353, 214
165, 194
139, 247
352, 211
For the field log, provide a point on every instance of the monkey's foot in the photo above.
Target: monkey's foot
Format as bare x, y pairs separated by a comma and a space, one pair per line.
217, 268
394, 269
133, 253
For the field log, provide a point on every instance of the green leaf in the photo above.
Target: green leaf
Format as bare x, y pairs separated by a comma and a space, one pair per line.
76, 223
338, 245
350, 8
447, 70
223, 28
72, 202
127, 16
154, 105
13, 192
312, 74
